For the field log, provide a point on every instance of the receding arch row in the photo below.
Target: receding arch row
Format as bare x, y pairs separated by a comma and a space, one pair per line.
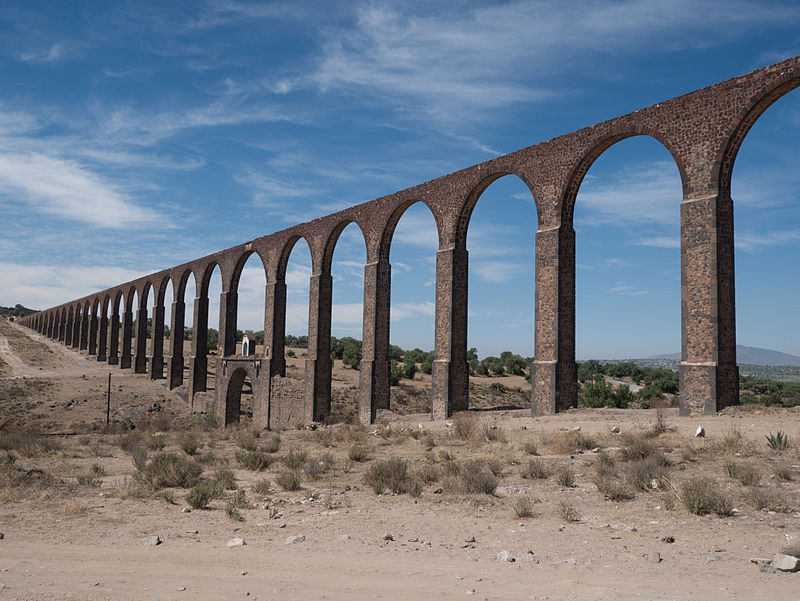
702, 131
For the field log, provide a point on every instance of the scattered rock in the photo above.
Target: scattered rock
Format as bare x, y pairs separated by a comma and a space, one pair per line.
655, 557
388, 536
186, 510
700, 432
471, 591
293, 540
786, 563
529, 557
714, 558
471, 539
668, 539
152, 541
505, 556
438, 491
2, 536
181, 588
344, 537
615, 429
236, 542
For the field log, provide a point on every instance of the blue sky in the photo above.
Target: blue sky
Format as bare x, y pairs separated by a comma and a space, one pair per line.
135, 137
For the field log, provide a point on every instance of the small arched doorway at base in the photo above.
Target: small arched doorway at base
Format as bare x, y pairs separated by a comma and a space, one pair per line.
239, 397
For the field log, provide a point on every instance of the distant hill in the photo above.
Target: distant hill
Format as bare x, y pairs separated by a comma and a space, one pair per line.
751, 355
16, 311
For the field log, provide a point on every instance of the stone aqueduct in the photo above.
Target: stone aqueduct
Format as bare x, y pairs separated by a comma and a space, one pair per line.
702, 131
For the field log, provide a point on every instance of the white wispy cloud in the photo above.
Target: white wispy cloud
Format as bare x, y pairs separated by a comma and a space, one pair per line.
68, 190
755, 241
49, 54
661, 242
648, 193
408, 310
499, 272
43, 286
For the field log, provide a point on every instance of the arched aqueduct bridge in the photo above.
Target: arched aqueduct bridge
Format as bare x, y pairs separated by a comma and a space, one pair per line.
702, 131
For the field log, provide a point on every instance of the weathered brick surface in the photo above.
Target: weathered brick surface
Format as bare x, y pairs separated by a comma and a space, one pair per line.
702, 131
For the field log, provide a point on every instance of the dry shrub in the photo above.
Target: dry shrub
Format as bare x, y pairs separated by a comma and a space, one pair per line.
261, 487
428, 474
769, 499
471, 477
388, 474
746, 475
536, 470
139, 458
130, 441
358, 452
568, 512
565, 443
247, 440
294, 460
522, 507
495, 466
352, 433
16, 483
783, 473
463, 425
288, 480
202, 493
648, 474
325, 437
612, 488
642, 448
314, 467
530, 448
170, 470
131, 489
565, 477
189, 443
255, 461
604, 465
225, 478
155, 441
89, 480
210, 458
489, 431
273, 445
702, 495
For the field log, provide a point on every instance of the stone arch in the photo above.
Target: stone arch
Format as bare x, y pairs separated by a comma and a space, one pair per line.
206, 271
236, 274
600, 146
179, 282
233, 394
745, 121
465, 214
288, 247
387, 232
333, 239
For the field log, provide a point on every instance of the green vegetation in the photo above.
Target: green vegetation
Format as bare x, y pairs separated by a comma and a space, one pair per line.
768, 392
16, 311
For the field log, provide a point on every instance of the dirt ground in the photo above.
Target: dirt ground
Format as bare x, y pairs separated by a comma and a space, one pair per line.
75, 512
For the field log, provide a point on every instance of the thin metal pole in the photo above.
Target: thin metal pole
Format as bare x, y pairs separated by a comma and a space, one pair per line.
108, 402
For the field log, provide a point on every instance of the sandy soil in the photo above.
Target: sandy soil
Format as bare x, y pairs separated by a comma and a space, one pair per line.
68, 540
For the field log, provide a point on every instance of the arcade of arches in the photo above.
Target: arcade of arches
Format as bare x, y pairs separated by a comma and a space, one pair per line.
702, 131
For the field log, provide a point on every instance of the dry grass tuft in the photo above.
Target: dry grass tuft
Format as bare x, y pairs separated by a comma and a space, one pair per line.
536, 469
769, 499
173, 471
288, 480
565, 443
702, 496
568, 512
648, 474
255, 461
463, 425
388, 474
746, 475
565, 477
522, 507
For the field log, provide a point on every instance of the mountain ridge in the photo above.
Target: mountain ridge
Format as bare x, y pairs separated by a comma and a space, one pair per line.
751, 355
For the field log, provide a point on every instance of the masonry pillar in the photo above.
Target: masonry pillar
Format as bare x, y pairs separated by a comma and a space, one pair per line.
450, 375
554, 374
92, 348
127, 337
76, 331
62, 329
176, 345
275, 327
157, 344
84, 341
318, 360
228, 305
709, 376
102, 338
68, 330
199, 360
140, 357
113, 340
373, 386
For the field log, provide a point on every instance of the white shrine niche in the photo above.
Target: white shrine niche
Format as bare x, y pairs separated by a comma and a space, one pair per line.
245, 345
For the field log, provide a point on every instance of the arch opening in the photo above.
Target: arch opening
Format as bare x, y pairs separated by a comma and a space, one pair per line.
765, 193
347, 320
628, 273
413, 245
239, 398
500, 239
249, 283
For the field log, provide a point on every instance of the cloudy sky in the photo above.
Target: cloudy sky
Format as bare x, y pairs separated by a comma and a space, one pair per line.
135, 137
